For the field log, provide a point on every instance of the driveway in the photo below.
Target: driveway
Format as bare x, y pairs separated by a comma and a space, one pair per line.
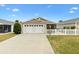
27, 43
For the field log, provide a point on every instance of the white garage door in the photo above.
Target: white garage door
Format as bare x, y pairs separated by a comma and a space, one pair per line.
34, 28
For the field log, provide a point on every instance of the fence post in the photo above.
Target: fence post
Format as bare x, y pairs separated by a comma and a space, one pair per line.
65, 31
55, 31
75, 32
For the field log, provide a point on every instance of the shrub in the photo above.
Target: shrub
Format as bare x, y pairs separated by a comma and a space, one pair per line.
17, 27
68, 27
64, 27
73, 27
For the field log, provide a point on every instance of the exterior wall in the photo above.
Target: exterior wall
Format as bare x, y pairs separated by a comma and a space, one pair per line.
12, 28
61, 26
77, 25
23, 28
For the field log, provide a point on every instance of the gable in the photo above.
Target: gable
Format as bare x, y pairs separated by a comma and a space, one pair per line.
38, 20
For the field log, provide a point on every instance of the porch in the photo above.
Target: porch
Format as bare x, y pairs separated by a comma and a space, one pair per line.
5, 28
51, 26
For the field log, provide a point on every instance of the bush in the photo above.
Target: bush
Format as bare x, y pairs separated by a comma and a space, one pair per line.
68, 27
17, 27
64, 27
73, 27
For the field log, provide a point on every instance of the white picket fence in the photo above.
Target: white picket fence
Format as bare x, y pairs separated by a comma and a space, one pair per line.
63, 31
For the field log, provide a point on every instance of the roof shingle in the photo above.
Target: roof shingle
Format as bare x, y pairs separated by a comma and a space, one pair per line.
2, 21
39, 20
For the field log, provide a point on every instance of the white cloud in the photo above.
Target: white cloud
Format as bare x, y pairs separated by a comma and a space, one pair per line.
7, 8
74, 8
2, 5
71, 11
15, 10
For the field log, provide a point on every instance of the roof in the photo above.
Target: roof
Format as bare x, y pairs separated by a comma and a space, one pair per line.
38, 20
69, 21
2, 21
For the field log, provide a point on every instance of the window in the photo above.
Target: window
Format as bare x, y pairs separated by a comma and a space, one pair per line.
37, 25
25, 25
32, 25
40, 25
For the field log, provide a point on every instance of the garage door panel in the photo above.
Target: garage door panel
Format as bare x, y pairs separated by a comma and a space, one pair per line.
34, 29
29, 30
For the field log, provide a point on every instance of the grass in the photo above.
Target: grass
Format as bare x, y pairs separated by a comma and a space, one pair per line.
6, 36
64, 44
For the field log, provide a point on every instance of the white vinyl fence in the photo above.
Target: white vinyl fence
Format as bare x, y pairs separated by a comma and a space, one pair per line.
63, 31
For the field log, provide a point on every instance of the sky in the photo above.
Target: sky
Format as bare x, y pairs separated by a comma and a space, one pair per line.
52, 12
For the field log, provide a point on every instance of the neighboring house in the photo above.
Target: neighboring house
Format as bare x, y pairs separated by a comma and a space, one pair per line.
38, 25
6, 26
69, 24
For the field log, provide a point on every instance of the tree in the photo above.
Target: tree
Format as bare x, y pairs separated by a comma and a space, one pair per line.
17, 27
60, 20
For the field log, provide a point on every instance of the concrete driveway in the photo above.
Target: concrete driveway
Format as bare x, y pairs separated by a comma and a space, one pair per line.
26, 43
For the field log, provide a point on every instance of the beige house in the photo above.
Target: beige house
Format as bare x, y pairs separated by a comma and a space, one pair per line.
37, 25
69, 24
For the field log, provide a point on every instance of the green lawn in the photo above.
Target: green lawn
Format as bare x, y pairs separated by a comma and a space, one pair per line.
64, 44
6, 36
